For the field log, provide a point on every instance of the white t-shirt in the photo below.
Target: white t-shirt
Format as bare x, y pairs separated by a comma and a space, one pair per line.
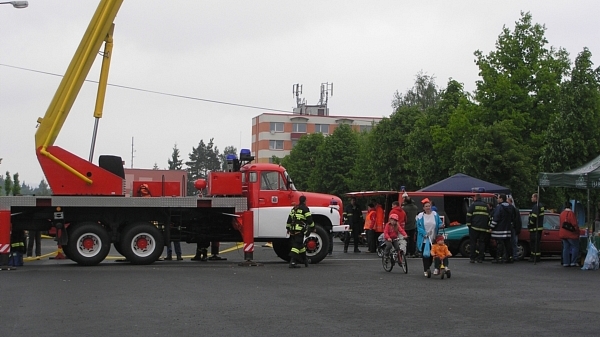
429, 222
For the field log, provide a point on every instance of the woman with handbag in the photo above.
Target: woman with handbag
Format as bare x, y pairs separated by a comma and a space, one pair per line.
428, 225
569, 234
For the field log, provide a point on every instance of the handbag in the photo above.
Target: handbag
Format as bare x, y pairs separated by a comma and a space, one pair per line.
568, 226
427, 248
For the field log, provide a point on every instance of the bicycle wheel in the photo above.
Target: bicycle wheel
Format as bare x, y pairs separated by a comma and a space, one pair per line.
388, 264
402, 262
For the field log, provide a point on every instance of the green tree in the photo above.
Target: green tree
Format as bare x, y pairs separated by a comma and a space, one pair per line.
517, 95
16, 188
203, 159
43, 188
7, 183
334, 162
424, 94
300, 163
175, 163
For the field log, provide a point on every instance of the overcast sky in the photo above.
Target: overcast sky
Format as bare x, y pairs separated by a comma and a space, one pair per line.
248, 53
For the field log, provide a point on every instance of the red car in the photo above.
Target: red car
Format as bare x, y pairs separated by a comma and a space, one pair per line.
551, 243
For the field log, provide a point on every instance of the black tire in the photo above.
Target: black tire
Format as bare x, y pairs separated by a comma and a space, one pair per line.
282, 249
442, 274
465, 248
142, 243
403, 263
317, 245
388, 264
523, 250
380, 250
448, 274
89, 244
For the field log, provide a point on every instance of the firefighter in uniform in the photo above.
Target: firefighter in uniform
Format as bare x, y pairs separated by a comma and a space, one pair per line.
353, 216
299, 223
17, 248
535, 226
478, 221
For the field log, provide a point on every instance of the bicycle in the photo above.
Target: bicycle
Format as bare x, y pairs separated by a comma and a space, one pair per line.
395, 257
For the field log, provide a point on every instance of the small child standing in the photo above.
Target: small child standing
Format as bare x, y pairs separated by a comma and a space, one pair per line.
440, 254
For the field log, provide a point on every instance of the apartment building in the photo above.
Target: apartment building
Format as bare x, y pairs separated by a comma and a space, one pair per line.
276, 134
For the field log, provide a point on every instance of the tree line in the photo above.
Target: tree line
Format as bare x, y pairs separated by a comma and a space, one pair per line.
533, 110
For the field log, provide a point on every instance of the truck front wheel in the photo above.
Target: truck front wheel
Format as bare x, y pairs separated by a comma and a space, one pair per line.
317, 244
142, 243
89, 244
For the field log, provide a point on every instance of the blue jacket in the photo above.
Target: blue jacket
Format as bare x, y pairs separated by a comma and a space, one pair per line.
421, 228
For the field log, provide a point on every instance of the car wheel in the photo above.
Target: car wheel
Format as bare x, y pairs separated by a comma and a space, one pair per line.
522, 250
465, 248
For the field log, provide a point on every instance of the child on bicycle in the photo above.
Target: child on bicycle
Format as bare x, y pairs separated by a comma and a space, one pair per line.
394, 235
440, 253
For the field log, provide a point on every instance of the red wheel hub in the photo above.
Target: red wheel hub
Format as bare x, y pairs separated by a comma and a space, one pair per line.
88, 243
311, 245
142, 243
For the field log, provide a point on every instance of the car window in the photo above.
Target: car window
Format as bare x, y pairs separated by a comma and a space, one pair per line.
550, 221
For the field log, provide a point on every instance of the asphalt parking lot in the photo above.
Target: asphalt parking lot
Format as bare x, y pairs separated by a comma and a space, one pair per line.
344, 295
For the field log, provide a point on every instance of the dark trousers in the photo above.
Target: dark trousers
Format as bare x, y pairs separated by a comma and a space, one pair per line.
504, 249
298, 251
355, 236
371, 240
37, 236
437, 262
177, 246
427, 261
534, 242
411, 245
477, 241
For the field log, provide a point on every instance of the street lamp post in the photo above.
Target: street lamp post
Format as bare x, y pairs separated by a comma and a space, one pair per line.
16, 4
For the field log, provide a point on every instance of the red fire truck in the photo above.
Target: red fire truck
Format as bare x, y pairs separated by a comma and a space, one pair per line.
92, 207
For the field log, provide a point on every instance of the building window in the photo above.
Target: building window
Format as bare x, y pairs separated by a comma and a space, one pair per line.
276, 127
365, 128
276, 145
321, 112
322, 128
299, 127
294, 142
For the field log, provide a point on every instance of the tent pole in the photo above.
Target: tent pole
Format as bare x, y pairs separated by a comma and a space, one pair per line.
588, 207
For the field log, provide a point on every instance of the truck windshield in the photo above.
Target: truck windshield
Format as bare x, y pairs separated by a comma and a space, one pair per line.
289, 181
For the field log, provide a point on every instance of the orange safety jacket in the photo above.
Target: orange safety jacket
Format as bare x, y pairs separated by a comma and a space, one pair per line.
369, 220
378, 226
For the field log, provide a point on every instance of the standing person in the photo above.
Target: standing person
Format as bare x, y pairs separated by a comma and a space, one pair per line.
177, 246
37, 237
411, 211
478, 221
353, 216
569, 234
517, 226
536, 226
428, 225
299, 223
501, 225
379, 221
369, 223
393, 235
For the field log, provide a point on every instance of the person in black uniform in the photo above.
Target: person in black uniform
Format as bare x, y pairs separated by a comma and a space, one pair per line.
536, 226
299, 223
478, 221
353, 216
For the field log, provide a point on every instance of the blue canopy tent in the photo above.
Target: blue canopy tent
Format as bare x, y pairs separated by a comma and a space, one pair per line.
463, 183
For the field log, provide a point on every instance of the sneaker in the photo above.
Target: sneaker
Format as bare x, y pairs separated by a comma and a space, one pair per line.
471, 261
436, 271
565, 265
479, 261
573, 265
425, 273
447, 270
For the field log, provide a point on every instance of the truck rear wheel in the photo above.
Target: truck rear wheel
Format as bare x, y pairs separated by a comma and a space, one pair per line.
282, 248
142, 243
317, 245
89, 244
